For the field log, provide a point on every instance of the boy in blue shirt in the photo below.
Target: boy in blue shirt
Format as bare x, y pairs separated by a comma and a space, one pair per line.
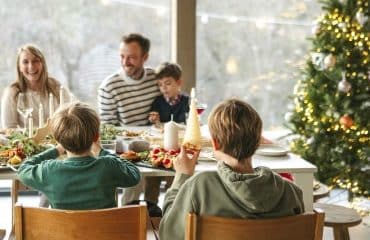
172, 101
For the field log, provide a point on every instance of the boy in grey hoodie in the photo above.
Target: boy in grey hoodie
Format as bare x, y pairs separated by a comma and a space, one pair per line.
236, 189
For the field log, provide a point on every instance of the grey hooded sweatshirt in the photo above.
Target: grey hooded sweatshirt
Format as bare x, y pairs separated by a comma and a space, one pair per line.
262, 194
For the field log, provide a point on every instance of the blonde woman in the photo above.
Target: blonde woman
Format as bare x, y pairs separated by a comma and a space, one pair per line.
33, 79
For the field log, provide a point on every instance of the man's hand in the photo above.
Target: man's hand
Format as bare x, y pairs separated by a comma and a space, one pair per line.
185, 164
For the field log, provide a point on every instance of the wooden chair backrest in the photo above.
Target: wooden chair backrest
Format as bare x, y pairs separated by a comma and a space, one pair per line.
308, 226
129, 222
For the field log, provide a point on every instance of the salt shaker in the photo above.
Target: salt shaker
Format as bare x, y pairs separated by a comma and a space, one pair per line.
171, 135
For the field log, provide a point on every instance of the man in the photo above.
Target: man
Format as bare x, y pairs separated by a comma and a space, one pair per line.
125, 97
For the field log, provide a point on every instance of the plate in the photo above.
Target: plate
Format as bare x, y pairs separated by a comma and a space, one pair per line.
14, 167
206, 155
272, 150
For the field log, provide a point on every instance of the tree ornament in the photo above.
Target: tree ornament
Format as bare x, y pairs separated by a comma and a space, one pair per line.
343, 85
288, 116
346, 121
329, 61
316, 29
361, 18
318, 60
310, 140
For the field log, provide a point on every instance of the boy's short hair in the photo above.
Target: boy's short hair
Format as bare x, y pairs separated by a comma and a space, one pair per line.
236, 127
140, 39
168, 69
75, 126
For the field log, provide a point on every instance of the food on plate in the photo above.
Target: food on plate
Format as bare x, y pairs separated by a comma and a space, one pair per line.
131, 156
192, 137
134, 156
159, 157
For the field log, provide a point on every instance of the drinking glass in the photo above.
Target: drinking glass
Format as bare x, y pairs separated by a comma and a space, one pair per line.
24, 106
200, 101
109, 145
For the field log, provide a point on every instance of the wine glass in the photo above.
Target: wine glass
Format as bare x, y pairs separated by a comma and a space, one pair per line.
201, 104
24, 106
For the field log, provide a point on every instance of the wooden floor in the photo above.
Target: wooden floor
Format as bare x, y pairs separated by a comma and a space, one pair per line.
339, 197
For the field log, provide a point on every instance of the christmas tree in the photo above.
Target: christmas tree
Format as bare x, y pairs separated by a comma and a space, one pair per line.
331, 114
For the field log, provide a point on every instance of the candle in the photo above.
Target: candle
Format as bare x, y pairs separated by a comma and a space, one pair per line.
61, 95
51, 104
171, 135
30, 126
41, 115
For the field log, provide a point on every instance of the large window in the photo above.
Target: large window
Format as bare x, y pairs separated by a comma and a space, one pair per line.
253, 50
80, 38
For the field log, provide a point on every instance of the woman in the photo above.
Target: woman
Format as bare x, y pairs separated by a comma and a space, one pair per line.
32, 78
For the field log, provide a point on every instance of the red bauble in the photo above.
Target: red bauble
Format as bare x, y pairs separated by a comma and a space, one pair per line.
346, 121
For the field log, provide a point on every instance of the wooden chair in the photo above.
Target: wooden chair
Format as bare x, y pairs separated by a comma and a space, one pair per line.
305, 226
129, 222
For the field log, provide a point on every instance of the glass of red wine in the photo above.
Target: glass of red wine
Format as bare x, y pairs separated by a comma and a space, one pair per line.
201, 105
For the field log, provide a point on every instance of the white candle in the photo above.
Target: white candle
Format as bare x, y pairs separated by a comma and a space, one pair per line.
51, 105
41, 115
30, 126
61, 95
171, 136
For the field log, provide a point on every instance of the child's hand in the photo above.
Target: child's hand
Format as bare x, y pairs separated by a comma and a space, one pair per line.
184, 164
154, 117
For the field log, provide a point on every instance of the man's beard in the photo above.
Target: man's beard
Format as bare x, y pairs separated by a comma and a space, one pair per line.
133, 72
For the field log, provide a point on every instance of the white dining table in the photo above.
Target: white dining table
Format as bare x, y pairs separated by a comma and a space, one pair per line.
301, 169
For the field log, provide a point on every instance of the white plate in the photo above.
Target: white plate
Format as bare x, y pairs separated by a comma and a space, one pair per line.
206, 155
272, 150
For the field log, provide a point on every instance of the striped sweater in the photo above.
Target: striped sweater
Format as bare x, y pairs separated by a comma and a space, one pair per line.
125, 101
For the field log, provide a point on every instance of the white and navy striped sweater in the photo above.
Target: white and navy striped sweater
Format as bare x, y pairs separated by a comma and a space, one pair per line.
124, 101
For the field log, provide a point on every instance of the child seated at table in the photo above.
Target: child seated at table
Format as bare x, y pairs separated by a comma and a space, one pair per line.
89, 176
236, 189
171, 102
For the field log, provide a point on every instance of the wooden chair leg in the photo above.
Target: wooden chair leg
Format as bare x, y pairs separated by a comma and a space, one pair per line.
341, 233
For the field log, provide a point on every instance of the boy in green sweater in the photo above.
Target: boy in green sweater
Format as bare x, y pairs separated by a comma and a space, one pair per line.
236, 189
89, 176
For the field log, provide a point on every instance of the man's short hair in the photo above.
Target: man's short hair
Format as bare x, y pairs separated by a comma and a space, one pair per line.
168, 69
140, 39
236, 127
75, 126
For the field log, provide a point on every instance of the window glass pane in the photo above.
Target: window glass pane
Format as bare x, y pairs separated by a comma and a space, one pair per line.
252, 50
80, 38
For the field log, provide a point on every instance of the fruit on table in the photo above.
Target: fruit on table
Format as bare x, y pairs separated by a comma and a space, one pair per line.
15, 160
162, 158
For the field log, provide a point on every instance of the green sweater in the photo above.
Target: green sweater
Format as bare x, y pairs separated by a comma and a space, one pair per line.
262, 194
78, 183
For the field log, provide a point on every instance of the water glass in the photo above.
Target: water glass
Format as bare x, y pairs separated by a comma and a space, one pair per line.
109, 145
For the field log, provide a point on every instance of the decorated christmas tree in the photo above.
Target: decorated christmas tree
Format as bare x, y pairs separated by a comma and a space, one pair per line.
331, 114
